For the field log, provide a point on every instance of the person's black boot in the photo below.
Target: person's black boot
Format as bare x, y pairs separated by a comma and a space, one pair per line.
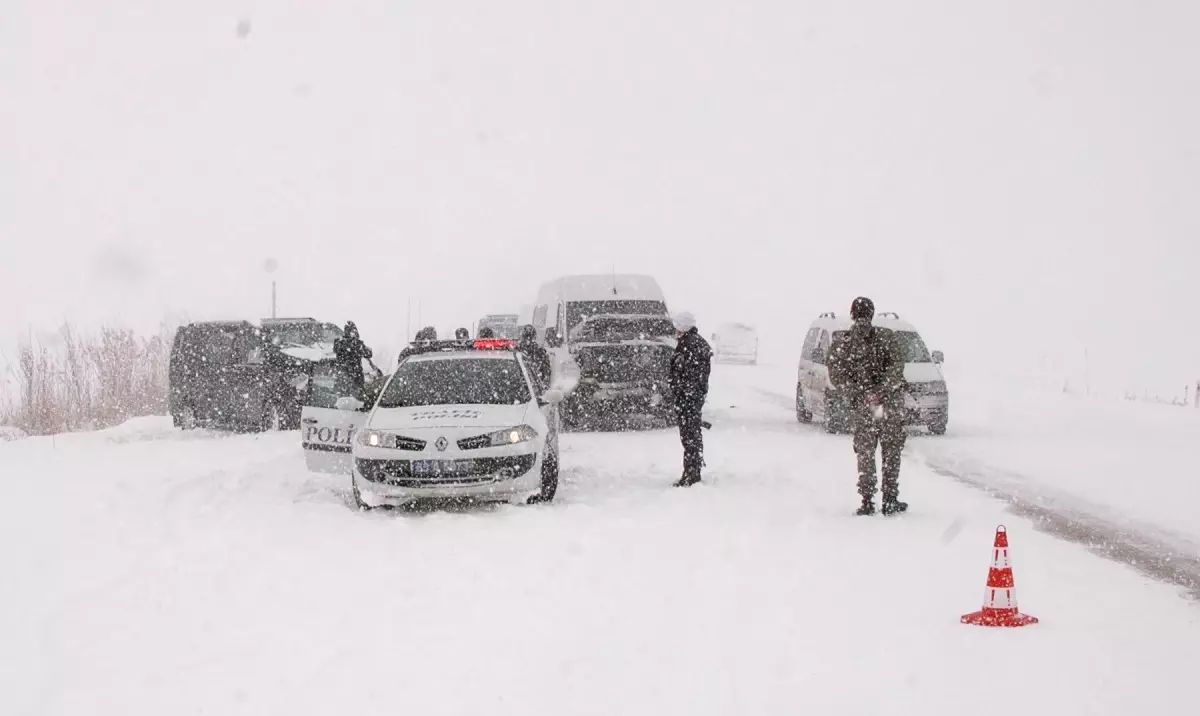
894, 507
868, 508
687, 481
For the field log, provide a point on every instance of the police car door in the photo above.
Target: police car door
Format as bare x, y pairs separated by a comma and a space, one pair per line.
331, 414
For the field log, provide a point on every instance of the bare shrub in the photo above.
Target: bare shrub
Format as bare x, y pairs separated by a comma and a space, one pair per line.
88, 381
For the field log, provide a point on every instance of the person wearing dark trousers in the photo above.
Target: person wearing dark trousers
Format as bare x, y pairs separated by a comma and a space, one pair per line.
349, 352
867, 366
690, 369
536, 357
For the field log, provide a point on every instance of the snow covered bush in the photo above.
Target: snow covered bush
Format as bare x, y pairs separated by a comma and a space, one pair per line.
82, 381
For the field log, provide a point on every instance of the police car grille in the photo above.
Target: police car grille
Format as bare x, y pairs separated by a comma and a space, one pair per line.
476, 470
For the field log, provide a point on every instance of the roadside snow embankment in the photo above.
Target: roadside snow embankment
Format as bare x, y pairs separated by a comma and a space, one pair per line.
1132, 464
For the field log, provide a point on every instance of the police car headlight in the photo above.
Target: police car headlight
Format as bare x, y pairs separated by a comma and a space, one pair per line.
376, 438
512, 436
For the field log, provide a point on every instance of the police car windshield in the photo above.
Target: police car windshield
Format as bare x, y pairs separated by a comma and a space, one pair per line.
578, 310
458, 381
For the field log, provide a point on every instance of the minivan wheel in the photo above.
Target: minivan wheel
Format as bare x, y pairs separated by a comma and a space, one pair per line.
802, 413
835, 424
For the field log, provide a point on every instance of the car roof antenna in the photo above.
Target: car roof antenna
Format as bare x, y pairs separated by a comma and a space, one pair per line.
615, 280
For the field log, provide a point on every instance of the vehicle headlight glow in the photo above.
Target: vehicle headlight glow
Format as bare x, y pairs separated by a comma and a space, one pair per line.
512, 436
376, 438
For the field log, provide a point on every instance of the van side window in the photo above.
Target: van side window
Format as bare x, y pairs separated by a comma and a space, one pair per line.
562, 320
822, 351
539, 318
810, 343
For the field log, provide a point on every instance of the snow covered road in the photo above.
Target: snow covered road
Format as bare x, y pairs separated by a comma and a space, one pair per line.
150, 571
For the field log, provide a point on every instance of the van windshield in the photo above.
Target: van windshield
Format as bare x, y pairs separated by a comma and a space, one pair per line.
579, 310
913, 347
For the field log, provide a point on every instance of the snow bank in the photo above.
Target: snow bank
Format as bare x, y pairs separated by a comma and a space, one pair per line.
9, 434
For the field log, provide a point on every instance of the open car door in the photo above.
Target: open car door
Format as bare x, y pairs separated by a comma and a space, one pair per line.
332, 414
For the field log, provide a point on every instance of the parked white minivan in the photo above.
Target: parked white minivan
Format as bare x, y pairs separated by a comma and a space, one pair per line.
927, 401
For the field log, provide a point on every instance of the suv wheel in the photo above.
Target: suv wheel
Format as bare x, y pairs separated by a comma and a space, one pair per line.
272, 419
802, 413
938, 428
185, 418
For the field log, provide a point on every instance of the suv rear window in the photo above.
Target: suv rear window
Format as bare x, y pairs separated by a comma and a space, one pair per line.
458, 381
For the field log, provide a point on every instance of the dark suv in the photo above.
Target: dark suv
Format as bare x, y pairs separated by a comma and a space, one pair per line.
227, 374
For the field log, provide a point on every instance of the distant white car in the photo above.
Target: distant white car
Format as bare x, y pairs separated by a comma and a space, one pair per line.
735, 343
459, 420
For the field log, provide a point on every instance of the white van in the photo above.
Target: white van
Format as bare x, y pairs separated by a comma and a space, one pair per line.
927, 401
611, 341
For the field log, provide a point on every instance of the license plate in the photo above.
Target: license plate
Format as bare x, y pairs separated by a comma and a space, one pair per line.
441, 467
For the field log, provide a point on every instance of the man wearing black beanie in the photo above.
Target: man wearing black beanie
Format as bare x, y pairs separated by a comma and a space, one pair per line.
866, 364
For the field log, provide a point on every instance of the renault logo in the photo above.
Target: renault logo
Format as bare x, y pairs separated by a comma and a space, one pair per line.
441, 444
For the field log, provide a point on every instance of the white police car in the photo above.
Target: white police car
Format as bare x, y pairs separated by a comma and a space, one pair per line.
456, 420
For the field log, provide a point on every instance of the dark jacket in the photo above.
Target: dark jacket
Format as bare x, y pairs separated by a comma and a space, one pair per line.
690, 368
538, 361
866, 361
349, 352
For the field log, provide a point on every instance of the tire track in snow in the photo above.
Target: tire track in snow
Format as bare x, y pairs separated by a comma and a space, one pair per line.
1158, 554
1153, 552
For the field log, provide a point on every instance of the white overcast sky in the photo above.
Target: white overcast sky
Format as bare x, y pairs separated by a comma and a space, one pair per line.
1020, 178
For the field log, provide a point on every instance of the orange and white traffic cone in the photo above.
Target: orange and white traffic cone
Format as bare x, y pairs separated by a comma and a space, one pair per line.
1000, 601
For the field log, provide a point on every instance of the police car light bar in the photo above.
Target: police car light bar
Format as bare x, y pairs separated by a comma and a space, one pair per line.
492, 343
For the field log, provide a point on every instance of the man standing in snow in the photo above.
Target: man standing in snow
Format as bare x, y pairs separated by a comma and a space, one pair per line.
536, 357
349, 352
690, 369
867, 367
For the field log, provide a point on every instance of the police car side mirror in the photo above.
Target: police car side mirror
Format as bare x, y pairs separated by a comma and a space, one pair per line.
348, 403
939, 357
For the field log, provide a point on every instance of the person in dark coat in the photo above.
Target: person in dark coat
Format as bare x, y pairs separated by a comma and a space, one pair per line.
486, 332
426, 335
866, 364
349, 352
690, 369
536, 357
462, 334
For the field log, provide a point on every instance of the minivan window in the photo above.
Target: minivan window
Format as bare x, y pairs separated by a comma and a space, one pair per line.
810, 343
578, 310
913, 347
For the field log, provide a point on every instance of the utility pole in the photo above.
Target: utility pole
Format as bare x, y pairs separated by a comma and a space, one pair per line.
272, 299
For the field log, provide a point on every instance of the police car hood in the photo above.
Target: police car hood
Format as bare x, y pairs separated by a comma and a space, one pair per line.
922, 372
449, 416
